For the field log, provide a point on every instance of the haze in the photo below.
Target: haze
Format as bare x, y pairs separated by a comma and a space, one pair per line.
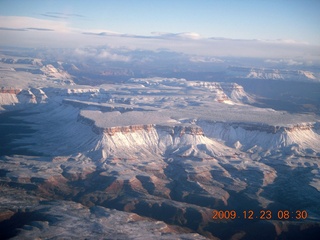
271, 29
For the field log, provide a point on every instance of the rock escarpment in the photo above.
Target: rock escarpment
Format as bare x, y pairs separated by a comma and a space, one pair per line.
112, 130
264, 136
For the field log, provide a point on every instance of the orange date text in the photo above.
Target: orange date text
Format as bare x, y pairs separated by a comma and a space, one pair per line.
263, 214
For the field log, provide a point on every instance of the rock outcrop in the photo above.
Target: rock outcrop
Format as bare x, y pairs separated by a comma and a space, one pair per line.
9, 96
10, 90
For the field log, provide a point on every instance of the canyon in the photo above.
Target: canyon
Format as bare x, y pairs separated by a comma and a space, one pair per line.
151, 158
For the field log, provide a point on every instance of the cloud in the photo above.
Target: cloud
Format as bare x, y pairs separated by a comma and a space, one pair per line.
12, 29
283, 41
40, 29
101, 54
14, 23
33, 32
105, 34
154, 35
61, 15
116, 34
25, 29
183, 35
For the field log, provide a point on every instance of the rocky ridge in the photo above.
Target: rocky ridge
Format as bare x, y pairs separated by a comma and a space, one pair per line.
275, 74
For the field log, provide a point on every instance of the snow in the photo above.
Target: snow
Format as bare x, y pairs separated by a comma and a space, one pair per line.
146, 120
116, 118
67, 219
247, 136
155, 142
275, 74
307, 74
8, 99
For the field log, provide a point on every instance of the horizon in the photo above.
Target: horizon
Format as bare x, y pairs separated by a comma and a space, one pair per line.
264, 29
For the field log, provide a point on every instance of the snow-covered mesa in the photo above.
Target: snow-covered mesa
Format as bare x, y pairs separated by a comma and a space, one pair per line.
275, 74
220, 110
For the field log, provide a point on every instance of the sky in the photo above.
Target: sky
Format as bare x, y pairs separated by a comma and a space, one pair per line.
267, 28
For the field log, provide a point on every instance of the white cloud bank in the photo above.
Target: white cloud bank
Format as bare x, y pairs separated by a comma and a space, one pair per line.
33, 32
100, 53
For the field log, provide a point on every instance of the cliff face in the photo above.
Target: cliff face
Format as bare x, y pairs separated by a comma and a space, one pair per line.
152, 140
236, 93
248, 135
225, 91
34, 95
9, 96
10, 90
192, 130
40, 95
111, 131
187, 139
57, 73
273, 129
123, 129
77, 91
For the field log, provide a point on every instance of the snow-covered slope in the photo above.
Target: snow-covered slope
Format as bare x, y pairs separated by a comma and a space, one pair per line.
236, 93
246, 136
8, 99
219, 91
57, 75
